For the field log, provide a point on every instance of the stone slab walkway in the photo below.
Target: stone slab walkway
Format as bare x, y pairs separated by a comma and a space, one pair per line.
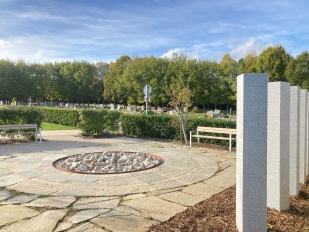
33, 192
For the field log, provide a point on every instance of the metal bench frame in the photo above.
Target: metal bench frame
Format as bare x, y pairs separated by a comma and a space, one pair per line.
19, 130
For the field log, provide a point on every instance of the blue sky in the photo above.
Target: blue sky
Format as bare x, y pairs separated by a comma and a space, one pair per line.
103, 30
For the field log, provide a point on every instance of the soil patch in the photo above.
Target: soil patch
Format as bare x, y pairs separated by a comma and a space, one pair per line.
218, 213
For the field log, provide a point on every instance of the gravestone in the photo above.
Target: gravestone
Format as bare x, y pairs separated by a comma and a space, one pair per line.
143, 107
101, 106
129, 108
134, 108
303, 135
217, 111
211, 113
112, 106
152, 108
251, 150
294, 139
118, 107
278, 145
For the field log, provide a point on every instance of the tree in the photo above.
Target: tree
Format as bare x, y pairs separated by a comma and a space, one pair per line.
273, 61
248, 64
297, 71
114, 88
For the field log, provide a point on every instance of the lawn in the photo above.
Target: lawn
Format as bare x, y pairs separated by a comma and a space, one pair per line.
46, 126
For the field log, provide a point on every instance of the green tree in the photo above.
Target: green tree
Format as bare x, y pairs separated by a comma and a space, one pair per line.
114, 88
273, 61
297, 71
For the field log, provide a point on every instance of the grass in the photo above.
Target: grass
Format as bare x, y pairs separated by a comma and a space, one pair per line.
52, 126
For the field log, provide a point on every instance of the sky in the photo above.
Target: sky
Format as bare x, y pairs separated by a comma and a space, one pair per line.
104, 30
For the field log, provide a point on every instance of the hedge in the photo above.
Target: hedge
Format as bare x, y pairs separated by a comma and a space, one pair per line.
20, 115
98, 122
167, 126
67, 117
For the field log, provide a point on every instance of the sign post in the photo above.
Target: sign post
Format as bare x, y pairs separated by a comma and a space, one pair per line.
147, 92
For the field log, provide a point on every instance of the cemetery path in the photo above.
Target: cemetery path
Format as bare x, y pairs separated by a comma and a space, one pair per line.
32, 189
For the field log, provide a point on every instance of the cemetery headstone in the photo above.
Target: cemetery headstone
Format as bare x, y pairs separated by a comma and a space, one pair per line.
118, 107
134, 108
129, 108
210, 112
112, 106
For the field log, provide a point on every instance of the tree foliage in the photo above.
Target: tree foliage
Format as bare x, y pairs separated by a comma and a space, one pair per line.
201, 82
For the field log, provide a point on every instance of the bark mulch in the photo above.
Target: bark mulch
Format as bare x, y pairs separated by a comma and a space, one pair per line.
218, 214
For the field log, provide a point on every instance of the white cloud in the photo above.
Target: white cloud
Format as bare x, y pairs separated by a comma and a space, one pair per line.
39, 53
4, 43
248, 47
172, 52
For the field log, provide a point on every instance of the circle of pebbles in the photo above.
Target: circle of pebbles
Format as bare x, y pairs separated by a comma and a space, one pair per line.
108, 162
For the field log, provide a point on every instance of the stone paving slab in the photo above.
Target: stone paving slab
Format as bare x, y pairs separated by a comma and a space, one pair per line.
20, 199
97, 203
182, 198
203, 190
155, 207
124, 223
44, 222
52, 202
14, 213
4, 195
86, 227
80, 217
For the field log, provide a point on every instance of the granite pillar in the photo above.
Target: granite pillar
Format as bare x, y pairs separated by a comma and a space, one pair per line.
278, 145
303, 135
294, 139
251, 160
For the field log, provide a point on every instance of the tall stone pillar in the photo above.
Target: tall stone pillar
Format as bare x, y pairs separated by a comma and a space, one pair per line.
294, 139
251, 160
303, 135
278, 145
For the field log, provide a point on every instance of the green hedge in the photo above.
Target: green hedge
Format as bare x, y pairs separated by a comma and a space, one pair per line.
98, 122
20, 115
67, 117
167, 127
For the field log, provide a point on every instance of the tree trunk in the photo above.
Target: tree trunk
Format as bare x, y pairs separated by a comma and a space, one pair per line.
183, 127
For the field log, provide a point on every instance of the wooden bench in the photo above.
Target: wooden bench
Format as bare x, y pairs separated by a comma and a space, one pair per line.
214, 130
15, 129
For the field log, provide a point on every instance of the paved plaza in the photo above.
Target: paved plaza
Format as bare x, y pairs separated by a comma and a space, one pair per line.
35, 196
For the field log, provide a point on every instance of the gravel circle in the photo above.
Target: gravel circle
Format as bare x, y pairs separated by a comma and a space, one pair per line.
108, 162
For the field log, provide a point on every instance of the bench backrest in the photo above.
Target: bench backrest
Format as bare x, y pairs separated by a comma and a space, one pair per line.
18, 126
216, 130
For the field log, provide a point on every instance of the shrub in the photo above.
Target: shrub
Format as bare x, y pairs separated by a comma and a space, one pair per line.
67, 117
20, 115
98, 122
167, 126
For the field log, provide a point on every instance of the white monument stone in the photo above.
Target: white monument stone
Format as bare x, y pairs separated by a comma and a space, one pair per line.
278, 145
294, 139
251, 160
210, 112
118, 107
303, 135
134, 108
129, 108
112, 106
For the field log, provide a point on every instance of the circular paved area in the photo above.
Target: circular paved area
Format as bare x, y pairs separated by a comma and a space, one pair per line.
119, 202
31, 171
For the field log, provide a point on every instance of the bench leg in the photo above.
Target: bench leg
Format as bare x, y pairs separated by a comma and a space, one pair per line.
190, 138
36, 135
198, 138
40, 130
230, 148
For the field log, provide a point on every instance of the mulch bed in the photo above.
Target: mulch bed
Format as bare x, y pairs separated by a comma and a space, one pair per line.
218, 213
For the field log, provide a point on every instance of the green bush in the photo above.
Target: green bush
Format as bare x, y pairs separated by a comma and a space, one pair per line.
98, 122
167, 126
20, 115
67, 117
